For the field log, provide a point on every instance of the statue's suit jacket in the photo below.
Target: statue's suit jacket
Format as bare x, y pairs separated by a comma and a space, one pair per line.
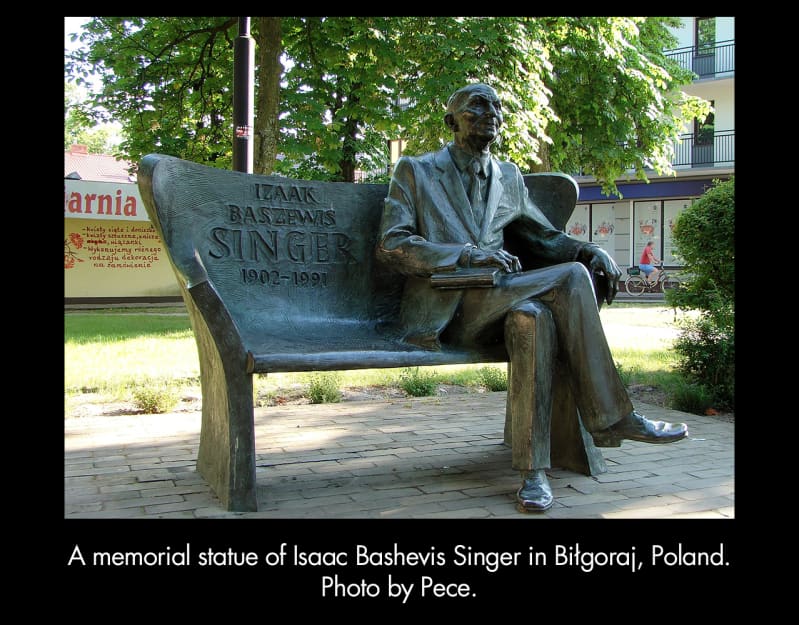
427, 221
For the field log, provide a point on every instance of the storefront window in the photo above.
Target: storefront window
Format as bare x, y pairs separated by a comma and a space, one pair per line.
653, 220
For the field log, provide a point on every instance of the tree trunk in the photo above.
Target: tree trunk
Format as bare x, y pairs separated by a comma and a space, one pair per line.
349, 150
545, 165
267, 108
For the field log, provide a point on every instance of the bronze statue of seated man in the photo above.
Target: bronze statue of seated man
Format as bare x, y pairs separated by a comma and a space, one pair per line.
452, 209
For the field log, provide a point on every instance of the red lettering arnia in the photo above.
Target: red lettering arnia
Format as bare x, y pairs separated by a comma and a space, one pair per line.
106, 204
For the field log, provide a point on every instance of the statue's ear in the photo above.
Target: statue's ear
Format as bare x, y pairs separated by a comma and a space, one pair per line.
449, 120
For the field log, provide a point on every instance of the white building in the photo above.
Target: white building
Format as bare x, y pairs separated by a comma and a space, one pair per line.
706, 151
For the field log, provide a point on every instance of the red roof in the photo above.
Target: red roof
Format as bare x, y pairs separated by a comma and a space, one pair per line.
96, 167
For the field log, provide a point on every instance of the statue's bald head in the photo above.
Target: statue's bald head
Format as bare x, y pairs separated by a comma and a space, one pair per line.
474, 115
461, 96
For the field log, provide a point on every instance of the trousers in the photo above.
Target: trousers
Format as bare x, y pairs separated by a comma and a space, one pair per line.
546, 317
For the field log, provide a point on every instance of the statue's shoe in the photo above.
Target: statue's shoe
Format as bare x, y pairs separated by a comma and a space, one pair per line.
636, 427
535, 495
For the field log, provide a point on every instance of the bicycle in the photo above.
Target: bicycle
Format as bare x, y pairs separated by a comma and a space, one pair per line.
637, 284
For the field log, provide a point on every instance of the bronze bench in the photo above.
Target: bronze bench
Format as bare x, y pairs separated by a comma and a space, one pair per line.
279, 275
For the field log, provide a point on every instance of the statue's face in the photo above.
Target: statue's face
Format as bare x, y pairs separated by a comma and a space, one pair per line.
478, 119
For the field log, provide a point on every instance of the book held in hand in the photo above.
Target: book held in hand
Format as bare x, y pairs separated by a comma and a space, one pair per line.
475, 277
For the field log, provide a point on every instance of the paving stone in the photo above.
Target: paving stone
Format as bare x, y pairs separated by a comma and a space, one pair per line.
134, 486
415, 458
111, 514
141, 502
386, 494
620, 475
467, 513
76, 508
580, 500
588, 511
104, 497
706, 493
440, 498
81, 490
84, 472
161, 509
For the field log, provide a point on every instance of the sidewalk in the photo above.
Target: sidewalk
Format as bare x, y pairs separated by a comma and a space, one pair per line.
428, 457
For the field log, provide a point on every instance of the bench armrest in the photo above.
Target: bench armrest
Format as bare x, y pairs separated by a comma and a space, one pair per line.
156, 178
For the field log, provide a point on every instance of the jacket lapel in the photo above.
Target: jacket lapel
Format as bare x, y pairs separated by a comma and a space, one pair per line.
450, 180
495, 190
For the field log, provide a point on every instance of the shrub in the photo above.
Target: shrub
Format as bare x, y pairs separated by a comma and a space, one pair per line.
704, 240
324, 388
693, 398
418, 383
155, 397
493, 378
704, 237
706, 354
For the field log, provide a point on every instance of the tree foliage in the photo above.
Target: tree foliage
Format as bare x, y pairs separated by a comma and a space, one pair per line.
616, 96
591, 94
79, 128
501, 51
167, 80
337, 95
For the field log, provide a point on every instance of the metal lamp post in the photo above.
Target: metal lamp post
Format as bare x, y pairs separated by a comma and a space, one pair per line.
243, 97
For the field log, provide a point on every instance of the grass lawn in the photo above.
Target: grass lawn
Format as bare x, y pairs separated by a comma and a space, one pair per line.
113, 352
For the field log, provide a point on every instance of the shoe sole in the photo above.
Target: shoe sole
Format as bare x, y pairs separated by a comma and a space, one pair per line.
521, 507
608, 440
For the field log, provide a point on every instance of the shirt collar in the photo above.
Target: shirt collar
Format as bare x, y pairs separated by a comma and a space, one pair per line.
463, 158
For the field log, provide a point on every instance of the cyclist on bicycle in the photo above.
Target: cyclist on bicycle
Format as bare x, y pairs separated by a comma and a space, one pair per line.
648, 262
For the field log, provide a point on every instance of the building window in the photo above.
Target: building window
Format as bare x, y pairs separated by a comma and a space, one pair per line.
704, 130
596, 223
704, 63
653, 220
705, 35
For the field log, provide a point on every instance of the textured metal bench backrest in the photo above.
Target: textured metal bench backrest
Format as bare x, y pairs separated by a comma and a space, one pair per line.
292, 261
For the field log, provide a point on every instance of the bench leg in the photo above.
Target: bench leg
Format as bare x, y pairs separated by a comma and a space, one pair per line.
571, 446
226, 458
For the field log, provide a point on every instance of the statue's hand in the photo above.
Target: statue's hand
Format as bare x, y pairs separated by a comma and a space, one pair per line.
497, 258
600, 262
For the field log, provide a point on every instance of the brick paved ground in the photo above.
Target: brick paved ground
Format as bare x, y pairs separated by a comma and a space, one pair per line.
411, 458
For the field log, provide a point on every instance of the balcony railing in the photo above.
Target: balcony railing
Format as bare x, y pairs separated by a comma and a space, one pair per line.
707, 61
718, 150
713, 150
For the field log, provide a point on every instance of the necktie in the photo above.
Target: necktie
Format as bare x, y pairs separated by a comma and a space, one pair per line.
476, 192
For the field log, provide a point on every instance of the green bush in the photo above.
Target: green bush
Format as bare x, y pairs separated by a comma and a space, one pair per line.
693, 398
418, 383
493, 379
156, 397
324, 388
706, 354
704, 238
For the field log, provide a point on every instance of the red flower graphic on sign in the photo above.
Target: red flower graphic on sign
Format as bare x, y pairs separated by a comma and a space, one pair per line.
647, 226
70, 255
604, 229
578, 229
